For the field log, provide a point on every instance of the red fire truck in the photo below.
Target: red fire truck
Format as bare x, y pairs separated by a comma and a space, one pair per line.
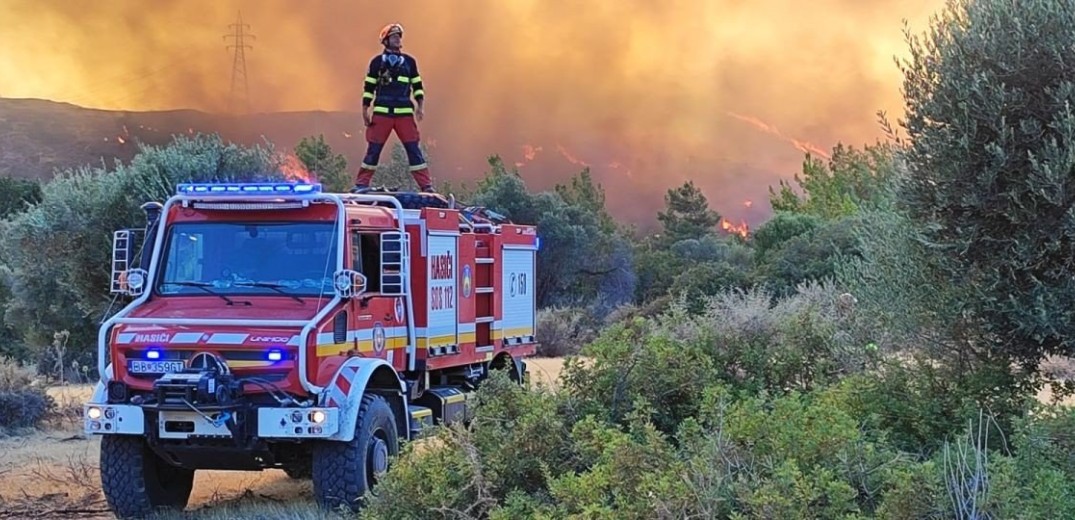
274, 325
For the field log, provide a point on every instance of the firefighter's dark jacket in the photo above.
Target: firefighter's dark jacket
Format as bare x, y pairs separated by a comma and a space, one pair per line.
388, 85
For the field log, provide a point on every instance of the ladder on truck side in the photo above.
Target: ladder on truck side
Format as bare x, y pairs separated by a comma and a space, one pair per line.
485, 294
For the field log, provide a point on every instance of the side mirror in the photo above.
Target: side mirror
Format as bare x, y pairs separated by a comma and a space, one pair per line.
348, 283
133, 282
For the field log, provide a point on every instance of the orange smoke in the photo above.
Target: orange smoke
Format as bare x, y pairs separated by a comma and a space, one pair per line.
645, 85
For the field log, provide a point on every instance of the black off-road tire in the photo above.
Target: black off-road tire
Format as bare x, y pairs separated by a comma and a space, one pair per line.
344, 471
136, 482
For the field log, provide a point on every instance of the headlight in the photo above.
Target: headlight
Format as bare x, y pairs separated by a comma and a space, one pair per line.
94, 413
317, 417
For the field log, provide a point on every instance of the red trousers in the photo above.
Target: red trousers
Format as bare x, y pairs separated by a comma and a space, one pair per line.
377, 134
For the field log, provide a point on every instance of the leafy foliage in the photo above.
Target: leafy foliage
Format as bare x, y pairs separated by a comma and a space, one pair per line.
581, 259
687, 214
665, 418
62, 283
853, 180
813, 254
328, 167
989, 96
17, 194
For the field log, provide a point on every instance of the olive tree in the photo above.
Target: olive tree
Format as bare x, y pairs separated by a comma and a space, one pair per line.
55, 258
990, 115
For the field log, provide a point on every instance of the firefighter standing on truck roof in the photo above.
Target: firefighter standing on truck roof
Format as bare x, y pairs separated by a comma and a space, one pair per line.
389, 81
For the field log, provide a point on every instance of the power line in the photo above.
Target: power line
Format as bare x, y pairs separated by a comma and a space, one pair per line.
239, 84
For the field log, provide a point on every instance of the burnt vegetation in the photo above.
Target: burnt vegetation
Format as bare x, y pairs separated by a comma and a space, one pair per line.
875, 349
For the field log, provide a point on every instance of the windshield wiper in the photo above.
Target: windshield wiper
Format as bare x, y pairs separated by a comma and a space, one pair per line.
274, 286
205, 286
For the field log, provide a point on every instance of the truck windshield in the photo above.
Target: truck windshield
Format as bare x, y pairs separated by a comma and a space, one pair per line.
293, 258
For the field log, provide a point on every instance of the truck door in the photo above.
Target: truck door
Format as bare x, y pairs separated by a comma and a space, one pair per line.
380, 320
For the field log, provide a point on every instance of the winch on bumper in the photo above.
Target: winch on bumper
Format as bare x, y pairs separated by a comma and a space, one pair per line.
210, 405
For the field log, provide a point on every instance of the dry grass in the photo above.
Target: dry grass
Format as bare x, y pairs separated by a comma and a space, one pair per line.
69, 400
54, 474
545, 370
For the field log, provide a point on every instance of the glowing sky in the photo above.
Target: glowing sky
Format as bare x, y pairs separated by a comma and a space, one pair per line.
725, 92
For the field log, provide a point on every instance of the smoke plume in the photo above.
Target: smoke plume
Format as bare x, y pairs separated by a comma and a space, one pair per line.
647, 94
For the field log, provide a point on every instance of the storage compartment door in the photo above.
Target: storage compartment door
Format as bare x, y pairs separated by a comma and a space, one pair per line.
519, 301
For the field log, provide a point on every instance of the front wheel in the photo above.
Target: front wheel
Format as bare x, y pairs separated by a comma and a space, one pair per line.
344, 471
136, 481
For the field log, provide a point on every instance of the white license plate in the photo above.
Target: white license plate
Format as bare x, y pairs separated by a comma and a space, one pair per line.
137, 366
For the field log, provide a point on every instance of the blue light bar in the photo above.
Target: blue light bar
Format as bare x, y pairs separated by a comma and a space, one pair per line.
153, 354
251, 188
275, 355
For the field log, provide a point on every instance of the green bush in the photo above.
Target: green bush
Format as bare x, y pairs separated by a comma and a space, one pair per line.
626, 472
632, 363
518, 438
651, 424
812, 255
439, 478
62, 283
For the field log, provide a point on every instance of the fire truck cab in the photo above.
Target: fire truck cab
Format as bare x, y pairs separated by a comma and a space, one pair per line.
274, 325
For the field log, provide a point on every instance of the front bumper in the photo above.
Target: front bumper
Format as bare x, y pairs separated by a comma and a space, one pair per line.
118, 419
263, 422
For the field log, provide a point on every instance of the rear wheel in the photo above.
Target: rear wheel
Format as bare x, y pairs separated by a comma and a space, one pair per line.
136, 481
344, 471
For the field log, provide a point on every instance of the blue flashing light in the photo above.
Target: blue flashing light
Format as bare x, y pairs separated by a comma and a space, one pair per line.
153, 353
251, 188
275, 355
537, 243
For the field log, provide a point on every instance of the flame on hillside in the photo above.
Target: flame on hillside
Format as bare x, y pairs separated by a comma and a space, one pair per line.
530, 151
741, 229
294, 170
571, 158
801, 145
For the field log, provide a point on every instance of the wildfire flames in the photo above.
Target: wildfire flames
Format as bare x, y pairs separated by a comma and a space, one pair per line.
294, 170
803, 146
741, 229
